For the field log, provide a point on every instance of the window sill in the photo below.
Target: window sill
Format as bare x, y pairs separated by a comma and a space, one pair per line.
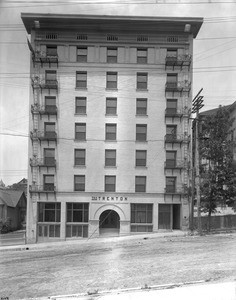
110, 115
78, 114
111, 89
80, 141
110, 167
143, 142
80, 166
81, 88
142, 116
141, 167
111, 141
141, 90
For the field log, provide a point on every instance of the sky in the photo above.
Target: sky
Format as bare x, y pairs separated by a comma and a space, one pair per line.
214, 60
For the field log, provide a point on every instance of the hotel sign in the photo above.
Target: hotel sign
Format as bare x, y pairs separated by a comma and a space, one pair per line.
109, 199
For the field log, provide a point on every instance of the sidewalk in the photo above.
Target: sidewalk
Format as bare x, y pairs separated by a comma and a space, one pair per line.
92, 241
184, 291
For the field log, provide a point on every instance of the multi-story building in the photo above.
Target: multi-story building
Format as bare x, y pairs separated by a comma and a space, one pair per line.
109, 127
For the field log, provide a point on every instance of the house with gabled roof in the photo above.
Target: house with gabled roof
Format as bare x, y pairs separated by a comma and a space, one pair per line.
12, 208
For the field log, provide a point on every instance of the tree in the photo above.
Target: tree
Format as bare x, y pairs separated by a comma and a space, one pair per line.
217, 172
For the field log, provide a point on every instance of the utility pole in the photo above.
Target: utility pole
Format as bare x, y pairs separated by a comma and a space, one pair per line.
197, 105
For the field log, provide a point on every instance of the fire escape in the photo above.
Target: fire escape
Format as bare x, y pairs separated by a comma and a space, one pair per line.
177, 138
44, 115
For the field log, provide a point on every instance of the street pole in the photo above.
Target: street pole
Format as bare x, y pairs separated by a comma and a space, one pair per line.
197, 105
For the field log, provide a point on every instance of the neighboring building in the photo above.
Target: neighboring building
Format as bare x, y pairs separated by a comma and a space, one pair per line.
110, 130
12, 208
21, 185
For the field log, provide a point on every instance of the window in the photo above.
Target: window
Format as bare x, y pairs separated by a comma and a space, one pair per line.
80, 157
110, 183
80, 105
141, 56
80, 131
141, 132
170, 159
141, 217
49, 157
81, 80
142, 81
48, 183
140, 184
49, 212
111, 80
77, 212
49, 129
111, 106
171, 53
141, 106
171, 132
79, 183
164, 216
51, 50
50, 77
110, 132
170, 184
171, 106
172, 80
82, 53
50, 104
112, 55
141, 158
110, 158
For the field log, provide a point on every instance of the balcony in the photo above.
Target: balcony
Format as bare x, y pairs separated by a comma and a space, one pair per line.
173, 192
176, 112
177, 139
178, 87
179, 61
42, 189
48, 162
173, 164
43, 135
49, 57
44, 110
42, 83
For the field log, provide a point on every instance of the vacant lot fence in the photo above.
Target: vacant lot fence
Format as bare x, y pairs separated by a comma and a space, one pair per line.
218, 222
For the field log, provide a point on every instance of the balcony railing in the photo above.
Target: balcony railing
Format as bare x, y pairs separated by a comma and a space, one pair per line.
178, 60
174, 190
43, 162
177, 138
46, 188
176, 112
174, 164
42, 83
45, 57
178, 86
43, 135
44, 110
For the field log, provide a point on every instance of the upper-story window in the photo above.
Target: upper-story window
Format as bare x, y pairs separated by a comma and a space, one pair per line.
82, 53
48, 182
141, 132
50, 104
141, 106
80, 157
51, 50
81, 80
141, 56
111, 106
49, 157
171, 106
111, 80
110, 158
142, 81
50, 76
112, 55
80, 105
80, 131
110, 132
171, 52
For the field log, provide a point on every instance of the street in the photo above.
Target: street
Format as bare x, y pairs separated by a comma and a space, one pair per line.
116, 263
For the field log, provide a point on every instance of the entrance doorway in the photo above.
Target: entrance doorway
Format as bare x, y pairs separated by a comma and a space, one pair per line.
169, 216
109, 223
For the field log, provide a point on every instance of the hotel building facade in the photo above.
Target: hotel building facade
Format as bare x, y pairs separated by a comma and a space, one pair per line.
110, 101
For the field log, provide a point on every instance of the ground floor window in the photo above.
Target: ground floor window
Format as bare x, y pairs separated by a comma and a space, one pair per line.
141, 217
48, 230
77, 219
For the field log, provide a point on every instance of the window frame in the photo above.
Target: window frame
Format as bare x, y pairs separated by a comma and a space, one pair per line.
140, 134
80, 160
83, 108
109, 187
82, 184
111, 107
112, 59
84, 57
142, 59
107, 134
138, 108
108, 160
81, 83
80, 132
42, 212
142, 85
140, 188
142, 160
111, 84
